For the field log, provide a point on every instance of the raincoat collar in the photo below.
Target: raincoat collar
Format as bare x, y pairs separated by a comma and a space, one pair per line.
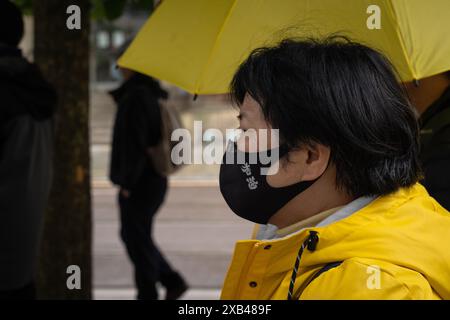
387, 229
270, 231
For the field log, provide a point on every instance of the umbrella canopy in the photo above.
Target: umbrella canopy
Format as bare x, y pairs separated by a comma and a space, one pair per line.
199, 44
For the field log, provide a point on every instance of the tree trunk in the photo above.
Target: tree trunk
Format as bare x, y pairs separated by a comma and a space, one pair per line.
63, 56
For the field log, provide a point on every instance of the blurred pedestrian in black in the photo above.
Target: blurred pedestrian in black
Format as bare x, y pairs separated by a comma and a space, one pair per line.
431, 97
27, 104
137, 127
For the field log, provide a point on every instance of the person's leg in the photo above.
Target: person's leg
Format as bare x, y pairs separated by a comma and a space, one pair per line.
158, 189
168, 277
135, 233
173, 282
137, 213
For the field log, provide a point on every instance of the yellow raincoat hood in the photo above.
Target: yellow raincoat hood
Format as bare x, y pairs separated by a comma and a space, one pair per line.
396, 247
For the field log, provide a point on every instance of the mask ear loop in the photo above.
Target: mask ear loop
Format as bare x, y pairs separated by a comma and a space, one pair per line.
281, 154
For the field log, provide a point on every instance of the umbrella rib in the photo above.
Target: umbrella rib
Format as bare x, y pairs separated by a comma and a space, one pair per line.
214, 48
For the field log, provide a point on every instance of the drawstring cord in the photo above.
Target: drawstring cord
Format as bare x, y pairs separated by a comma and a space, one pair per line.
310, 243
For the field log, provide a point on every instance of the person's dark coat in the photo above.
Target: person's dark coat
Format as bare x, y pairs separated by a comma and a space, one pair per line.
137, 126
27, 103
435, 153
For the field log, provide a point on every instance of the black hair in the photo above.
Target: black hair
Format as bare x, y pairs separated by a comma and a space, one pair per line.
11, 23
341, 94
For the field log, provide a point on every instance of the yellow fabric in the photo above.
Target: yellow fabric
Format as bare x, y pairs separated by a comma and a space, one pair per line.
310, 222
405, 235
199, 44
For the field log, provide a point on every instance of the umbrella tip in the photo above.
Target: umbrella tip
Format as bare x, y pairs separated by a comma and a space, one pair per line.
195, 96
416, 82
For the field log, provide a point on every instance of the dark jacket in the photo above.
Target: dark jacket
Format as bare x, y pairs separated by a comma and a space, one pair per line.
435, 153
137, 126
27, 104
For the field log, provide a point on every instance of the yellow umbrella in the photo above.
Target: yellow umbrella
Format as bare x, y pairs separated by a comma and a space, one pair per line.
198, 44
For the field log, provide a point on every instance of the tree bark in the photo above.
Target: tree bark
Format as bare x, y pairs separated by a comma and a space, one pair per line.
63, 56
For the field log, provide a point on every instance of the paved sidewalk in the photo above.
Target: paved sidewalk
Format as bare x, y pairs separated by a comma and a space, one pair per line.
129, 294
195, 230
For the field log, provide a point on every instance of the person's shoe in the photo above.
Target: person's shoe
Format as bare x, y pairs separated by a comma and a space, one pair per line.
175, 292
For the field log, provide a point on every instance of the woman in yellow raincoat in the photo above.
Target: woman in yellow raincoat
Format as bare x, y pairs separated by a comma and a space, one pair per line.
344, 216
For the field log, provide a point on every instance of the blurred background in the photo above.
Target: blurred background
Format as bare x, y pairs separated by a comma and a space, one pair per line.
197, 44
194, 228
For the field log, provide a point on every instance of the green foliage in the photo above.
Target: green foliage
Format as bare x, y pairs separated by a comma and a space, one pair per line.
108, 9
113, 9
25, 5
142, 4
101, 9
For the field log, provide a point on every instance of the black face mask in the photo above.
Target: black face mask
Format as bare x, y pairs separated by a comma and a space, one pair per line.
246, 190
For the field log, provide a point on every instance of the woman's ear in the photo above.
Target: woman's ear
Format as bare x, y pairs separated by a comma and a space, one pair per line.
304, 164
317, 157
